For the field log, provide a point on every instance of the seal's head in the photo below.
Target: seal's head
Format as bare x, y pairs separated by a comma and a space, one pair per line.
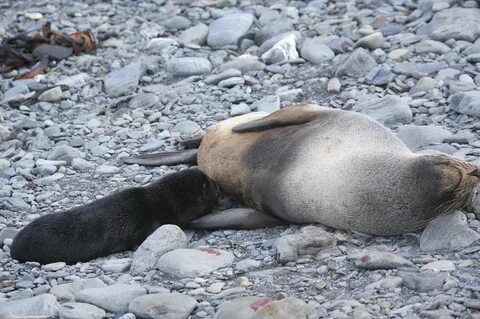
190, 194
451, 179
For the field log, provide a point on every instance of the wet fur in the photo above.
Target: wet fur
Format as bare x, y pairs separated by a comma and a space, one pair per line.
117, 222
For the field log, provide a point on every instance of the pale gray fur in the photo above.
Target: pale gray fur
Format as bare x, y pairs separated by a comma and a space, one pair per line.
338, 168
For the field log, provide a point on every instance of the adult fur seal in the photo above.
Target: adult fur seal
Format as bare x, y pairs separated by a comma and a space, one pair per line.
117, 222
310, 164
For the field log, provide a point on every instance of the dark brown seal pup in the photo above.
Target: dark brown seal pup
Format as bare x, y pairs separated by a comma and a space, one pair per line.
117, 222
310, 164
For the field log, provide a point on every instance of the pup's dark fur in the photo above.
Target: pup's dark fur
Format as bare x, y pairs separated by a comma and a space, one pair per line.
118, 222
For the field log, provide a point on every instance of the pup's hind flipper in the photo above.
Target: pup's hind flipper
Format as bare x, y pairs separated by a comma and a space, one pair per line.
236, 218
165, 158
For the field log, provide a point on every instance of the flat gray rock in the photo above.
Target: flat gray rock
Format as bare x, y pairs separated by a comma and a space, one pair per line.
244, 63
65, 153
113, 298
78, 310
372, 41
82, 165
265, 308
226, 31
440, 265
356, 64
52, 95
431, 46
75, 81
123, 81
66, 292
269, 104
107, 169
417, 137
117, 265
216, 78
388, 110
163, 240
240, 308
283, 50
425, 84
381, 260
272, 29
424, 281
466, 103
448, 233
194, 262
177, 23
454, 23
315, 51
309, 241
267, 45
15, 204
195, 35
163, 305
44, 305
143, 100
419, 70
8, 232
187, 127
188, 66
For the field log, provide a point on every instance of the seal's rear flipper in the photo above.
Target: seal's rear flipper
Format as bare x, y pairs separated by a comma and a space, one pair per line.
191, 142
236, 218
165, 158
295, 115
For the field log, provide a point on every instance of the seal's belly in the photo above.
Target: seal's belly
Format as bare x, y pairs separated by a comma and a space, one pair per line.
361, 192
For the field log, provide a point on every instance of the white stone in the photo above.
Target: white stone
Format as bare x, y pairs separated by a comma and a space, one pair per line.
247, 264
440, 265
107, 169
51, 95
163, 305
34, 15
194, 262
75, 81
44, 305
54, 266
77, 310
283, 50
399, 54
163, 240
388, 110
113, 298
117, 265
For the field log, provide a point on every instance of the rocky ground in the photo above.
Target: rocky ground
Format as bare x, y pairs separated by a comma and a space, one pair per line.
165, 69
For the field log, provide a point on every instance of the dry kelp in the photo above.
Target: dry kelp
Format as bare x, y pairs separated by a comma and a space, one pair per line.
38, 50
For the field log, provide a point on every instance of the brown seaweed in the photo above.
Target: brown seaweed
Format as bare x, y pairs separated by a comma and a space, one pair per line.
42, 48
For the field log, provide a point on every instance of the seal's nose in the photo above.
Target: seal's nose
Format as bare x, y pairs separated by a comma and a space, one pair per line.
476, 172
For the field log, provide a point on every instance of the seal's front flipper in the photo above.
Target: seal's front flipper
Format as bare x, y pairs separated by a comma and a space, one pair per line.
293, 115
165, 158
236, 218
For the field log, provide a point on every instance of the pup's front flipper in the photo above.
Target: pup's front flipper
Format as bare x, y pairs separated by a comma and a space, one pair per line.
236, 218
165, 158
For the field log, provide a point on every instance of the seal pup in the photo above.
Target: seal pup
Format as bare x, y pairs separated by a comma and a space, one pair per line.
117, 222
311, 164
